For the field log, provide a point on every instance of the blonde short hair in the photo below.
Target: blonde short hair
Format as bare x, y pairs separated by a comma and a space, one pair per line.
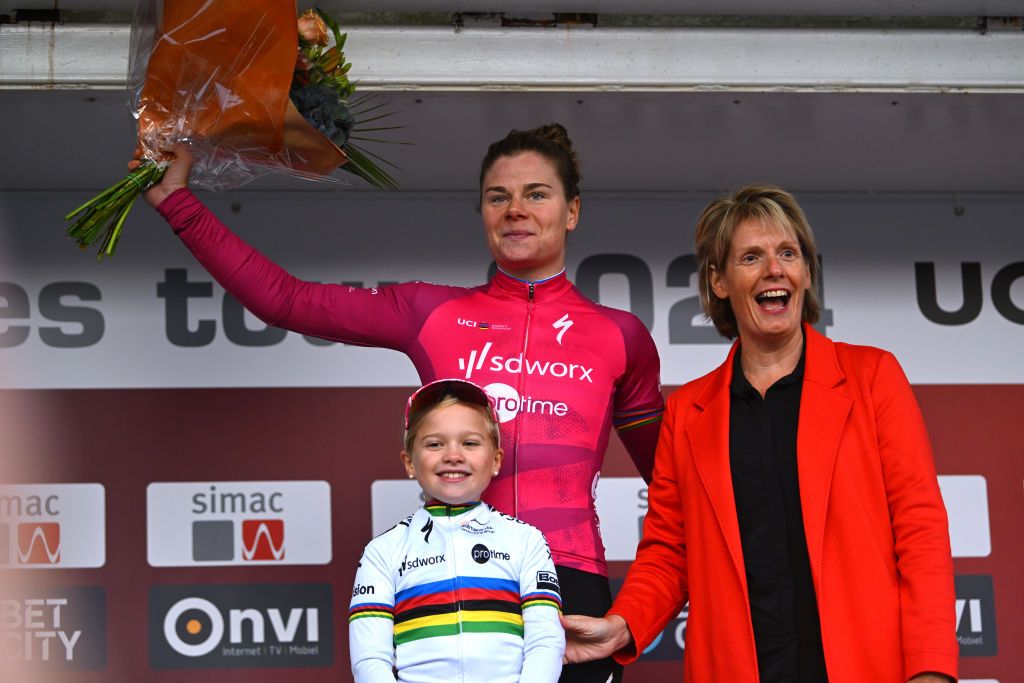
716, 227
493, 431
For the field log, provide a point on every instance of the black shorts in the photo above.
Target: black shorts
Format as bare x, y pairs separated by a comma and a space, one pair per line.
588, 594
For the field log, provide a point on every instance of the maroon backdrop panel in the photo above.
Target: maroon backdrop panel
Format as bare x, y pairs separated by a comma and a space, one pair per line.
125, 439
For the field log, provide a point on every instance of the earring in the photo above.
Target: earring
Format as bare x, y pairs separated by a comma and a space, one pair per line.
412, 476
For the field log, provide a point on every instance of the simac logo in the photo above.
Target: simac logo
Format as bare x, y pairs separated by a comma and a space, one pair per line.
52, 526
263, 539
230, 523
39, 543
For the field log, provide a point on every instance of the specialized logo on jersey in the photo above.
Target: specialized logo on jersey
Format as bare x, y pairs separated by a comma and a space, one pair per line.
226, 523
516, 365
508, 403
52, 526
562, 325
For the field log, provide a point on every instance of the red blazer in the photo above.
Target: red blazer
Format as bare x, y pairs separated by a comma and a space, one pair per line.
876, 527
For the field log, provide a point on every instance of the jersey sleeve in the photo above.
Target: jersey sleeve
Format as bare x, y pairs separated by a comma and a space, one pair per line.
389, 316
639, 403
371, 620
543, 637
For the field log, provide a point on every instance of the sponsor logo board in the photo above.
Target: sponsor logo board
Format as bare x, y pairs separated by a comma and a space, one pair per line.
52, 526
240, 626
966, 499
238, 523
56, 628
390, 501
622, 505
975, 615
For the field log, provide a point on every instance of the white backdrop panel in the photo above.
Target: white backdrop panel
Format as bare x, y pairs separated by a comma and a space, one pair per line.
67, 321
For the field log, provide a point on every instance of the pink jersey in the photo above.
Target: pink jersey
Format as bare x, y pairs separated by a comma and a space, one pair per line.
561, 368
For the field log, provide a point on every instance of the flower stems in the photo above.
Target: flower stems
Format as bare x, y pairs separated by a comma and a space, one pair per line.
103, 216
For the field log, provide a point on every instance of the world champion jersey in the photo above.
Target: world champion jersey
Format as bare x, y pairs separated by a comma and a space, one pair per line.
456, 593
561, 369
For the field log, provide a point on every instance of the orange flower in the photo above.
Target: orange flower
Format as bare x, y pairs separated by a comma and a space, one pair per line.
312, 28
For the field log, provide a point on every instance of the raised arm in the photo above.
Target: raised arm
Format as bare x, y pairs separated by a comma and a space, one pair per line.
386, 316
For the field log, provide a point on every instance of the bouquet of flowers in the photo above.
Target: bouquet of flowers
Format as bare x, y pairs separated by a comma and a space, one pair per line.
251, 88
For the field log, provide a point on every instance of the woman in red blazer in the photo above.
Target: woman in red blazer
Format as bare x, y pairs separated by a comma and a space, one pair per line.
874, 526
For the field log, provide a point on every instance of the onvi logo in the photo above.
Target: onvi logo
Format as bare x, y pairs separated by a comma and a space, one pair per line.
508, 403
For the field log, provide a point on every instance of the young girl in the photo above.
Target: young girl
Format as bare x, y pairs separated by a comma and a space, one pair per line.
457, 591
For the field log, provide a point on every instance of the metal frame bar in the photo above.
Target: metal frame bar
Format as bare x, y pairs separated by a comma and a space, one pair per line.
85, 56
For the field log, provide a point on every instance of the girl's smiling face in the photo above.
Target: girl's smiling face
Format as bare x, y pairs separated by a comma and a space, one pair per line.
453, 454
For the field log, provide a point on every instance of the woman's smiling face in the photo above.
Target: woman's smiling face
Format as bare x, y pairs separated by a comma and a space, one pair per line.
526, 215
765, 279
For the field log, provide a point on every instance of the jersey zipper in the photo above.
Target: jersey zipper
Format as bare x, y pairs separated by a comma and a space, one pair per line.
522, 397
450, 542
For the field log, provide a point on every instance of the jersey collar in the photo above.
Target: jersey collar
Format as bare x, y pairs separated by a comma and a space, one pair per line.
438, 509
544, 290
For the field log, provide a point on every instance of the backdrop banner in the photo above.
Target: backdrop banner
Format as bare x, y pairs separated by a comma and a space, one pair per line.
186, 492
944, 292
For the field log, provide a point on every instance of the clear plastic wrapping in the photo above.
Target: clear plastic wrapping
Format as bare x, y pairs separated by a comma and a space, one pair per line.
217, 74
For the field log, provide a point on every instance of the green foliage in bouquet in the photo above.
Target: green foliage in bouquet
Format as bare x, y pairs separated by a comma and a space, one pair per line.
322, 93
